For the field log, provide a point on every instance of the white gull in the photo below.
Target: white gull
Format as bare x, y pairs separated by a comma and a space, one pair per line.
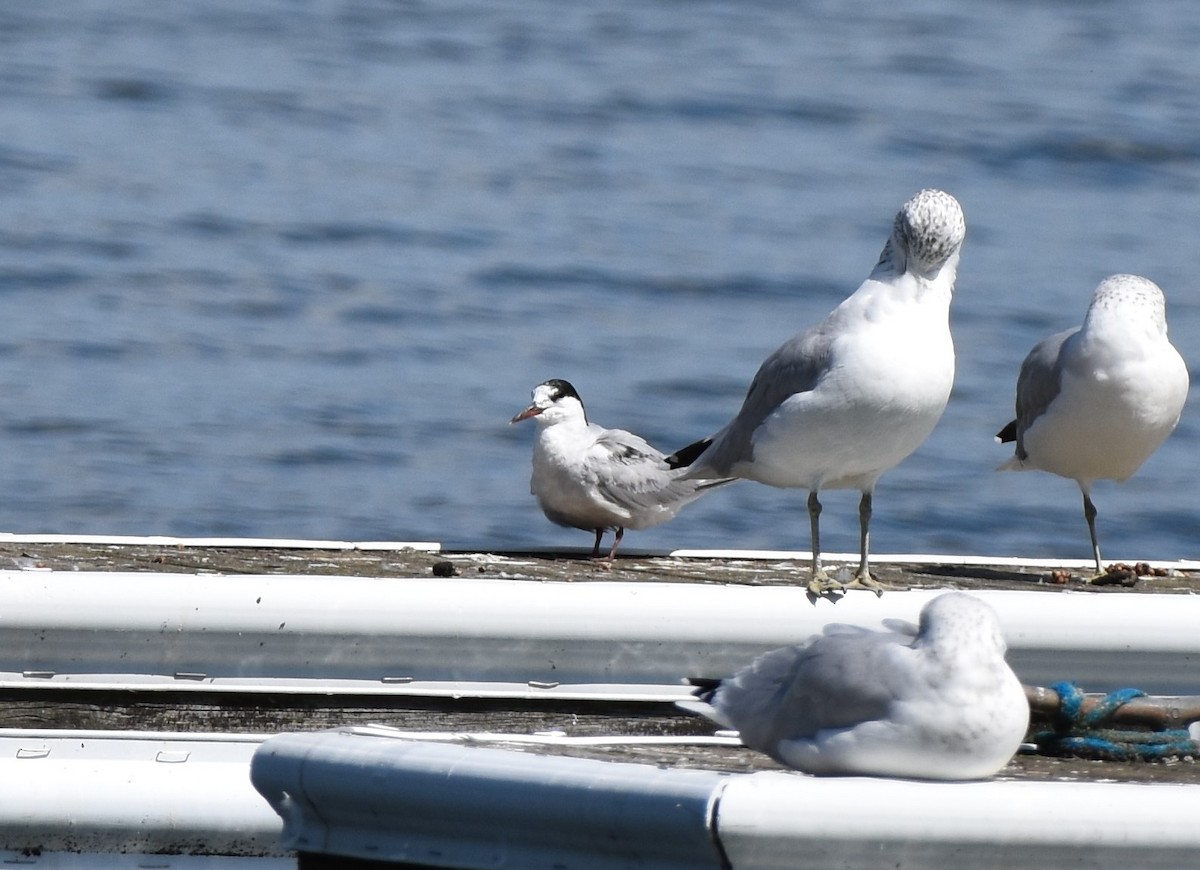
1095, 401
934, 701
837, 406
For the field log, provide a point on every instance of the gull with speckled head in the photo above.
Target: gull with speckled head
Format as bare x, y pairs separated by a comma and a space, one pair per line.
592, 478
933, 701
837, 406
1093, 402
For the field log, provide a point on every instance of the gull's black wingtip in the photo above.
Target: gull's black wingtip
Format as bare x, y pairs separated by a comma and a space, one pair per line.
1008, 433
704, 687
685, 456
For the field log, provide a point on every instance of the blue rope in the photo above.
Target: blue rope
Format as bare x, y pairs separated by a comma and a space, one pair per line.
1084, 735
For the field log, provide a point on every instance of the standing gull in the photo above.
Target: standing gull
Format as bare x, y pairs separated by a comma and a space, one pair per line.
837, 406
934, 701
592, 478
1095, 401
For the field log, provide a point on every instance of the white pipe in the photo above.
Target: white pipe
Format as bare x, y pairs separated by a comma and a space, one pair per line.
685, 553
357, 793
60, 629
851, 559
780, 821
85, 792
23, 860
543, 738
371, 797
348, 688
249, 543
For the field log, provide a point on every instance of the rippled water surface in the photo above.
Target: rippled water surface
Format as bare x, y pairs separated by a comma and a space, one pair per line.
287, 269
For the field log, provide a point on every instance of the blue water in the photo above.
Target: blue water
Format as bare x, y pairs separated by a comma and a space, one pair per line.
288, 268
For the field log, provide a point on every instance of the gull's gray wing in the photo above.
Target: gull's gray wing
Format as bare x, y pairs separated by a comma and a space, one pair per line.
1038, 385
836, 680
796, 367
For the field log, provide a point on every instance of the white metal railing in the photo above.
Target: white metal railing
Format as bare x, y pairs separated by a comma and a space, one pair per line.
518, 638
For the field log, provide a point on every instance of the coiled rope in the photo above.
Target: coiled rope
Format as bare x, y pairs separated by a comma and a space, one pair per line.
1089, 735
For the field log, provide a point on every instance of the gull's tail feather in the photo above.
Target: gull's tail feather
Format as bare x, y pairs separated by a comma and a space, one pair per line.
685, 456
1006, 436
705, 690
704, 687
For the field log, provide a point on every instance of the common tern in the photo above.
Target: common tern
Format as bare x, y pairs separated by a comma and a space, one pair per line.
592, 478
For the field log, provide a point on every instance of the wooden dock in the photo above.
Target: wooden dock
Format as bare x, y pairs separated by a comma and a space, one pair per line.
194, 711
574, 566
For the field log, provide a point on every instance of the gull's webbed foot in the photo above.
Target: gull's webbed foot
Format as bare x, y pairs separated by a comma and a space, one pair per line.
864, 580
822, 584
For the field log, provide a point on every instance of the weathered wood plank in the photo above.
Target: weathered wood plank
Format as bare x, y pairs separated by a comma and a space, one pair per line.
569, 567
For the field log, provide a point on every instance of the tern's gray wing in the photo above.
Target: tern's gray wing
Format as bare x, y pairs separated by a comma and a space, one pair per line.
633, 474
796, 367
836, 680
1038, 385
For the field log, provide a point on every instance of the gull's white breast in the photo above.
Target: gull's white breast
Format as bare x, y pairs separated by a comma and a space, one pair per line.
891, 372
1115, 407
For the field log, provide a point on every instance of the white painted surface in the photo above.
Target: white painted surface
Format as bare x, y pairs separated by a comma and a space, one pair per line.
363, 793
782, 821
281, 632
851, 559
95, 793
366, 795
254, 543
689, 553
22, 860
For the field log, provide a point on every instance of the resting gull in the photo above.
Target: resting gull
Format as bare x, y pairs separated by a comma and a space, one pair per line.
934, 701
